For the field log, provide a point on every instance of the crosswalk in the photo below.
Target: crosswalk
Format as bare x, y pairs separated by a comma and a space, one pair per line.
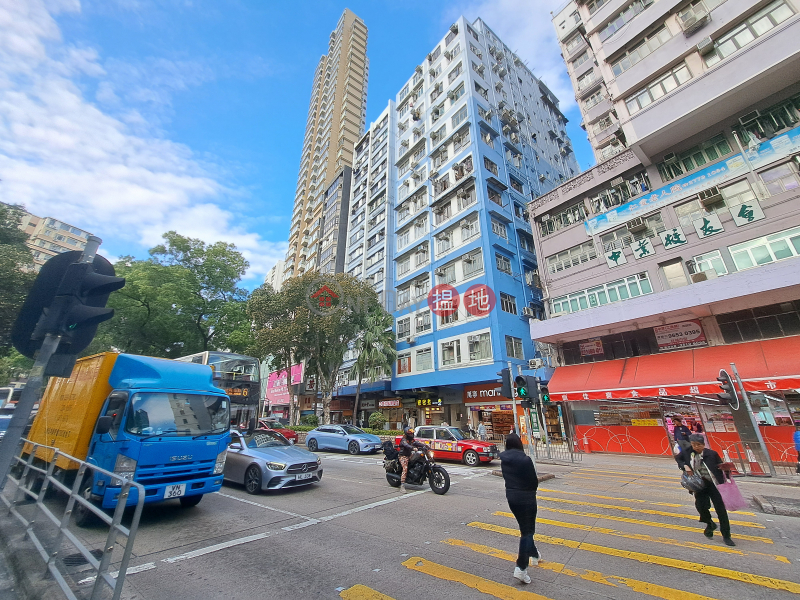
649, 546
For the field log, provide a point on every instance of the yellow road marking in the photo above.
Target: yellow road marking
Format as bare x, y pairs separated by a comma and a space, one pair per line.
760, 580
627, 482
670, 504
362, 592
498, 590
672, 526
651, 589
628, 473
646, 511
646, 538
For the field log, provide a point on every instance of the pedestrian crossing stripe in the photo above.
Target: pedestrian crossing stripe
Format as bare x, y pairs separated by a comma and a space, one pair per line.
628, 473
759, 580
362, 592
629, 482
646, 511
644, 587
670, 526
637, 500
486, 586
646, 538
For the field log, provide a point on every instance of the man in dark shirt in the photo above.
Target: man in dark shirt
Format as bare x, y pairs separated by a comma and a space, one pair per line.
681, 434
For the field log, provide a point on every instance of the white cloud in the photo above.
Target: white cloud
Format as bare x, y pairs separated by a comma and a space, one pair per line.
93, 164
527, 28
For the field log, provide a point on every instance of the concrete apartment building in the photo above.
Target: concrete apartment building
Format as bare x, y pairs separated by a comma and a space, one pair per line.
477, 134
677, 253
275, 275
48, 236
336, 119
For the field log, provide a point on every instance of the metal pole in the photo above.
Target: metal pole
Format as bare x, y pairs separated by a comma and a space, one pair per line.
749, 410
527, 415
757, 184
513, 399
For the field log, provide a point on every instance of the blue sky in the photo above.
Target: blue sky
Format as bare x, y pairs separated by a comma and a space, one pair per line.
133, 117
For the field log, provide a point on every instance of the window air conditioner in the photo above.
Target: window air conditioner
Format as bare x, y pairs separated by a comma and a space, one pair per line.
454, 28
487, 137
407, 182
528, 312
412, 340
451, 94
701, 276
637, 224
706, 46
440, 272
413, 163
434, 174
469, 260
430, 57
419, 222
432, 72
534, 363
617, 181
693, 18
749, 117
419, 69
670, 158
447, 54
710, 196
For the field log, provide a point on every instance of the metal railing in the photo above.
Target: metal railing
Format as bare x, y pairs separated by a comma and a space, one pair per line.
561, 450
36, 478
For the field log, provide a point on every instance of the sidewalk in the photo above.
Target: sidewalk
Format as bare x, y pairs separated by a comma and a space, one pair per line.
7, 589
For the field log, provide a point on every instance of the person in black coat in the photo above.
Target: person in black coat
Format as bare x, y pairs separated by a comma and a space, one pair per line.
681, 434
521, 485
706, 463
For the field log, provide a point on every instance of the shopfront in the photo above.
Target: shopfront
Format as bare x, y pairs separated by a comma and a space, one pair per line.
393, 412
277, 397
631, 405
487, 406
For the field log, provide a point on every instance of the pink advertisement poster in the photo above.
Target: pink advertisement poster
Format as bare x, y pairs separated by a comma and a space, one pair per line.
277, 382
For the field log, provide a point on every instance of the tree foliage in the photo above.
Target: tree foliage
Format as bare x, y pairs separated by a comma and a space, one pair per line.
16, 270
375, 350
183, 299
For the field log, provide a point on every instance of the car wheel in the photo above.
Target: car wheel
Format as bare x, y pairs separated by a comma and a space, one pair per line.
252, 479
189, 501
471, 458
312, 445
353, 447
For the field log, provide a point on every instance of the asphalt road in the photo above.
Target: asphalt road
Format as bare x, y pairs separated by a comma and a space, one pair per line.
622, 533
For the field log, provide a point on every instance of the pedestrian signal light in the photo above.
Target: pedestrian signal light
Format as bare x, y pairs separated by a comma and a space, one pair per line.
544, 394
505, 381
523, 391
527, 389
728, 393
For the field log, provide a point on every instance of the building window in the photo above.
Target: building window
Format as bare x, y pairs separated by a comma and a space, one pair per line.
472, 264
459, 117
694, 158
503, 263
623, 18
447, 274
631, 186
404, 363
451, 353
752, 28
421, 255
517, 186
495, 196
710, 261
490, 166
693, 210
574, 214
508, 303
659, 88
424, 360
580, 60
403, 266
594, 5
484, 114
499, 229
403, 327
764, 322
594, 99
454, 73
586, 80
455, 95
572, 257
574, 42
641, 50
480, 347
619, 238
448, 319
781, 178
674, 275
767, 249
514, 347
422, 322
469, 229
615, 291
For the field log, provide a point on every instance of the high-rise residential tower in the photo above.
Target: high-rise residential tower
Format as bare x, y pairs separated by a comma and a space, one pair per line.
678, 253
336, 119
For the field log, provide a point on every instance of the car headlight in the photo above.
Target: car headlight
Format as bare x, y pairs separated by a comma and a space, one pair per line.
125, 468
276, 466
220, 464
319, 460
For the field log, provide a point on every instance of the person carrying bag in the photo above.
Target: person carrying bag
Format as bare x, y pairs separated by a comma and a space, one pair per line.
704, 462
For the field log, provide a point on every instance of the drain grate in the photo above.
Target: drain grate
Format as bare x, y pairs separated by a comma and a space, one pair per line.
78, 559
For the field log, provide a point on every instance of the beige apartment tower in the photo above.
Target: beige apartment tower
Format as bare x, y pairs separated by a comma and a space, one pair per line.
336, 119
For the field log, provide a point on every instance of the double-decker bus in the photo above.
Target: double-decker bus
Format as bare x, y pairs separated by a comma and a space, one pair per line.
238, 375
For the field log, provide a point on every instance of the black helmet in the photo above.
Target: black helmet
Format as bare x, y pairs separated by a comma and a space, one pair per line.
409, 432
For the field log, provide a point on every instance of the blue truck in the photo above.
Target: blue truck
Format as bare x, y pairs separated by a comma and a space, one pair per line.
159, 422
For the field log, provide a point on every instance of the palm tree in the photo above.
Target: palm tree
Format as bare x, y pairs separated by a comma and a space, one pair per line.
375, 350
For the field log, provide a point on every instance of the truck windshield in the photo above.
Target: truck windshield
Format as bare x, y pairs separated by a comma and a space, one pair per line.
156, 413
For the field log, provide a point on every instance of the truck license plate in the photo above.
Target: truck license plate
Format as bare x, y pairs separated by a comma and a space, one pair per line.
304, 476
174, 491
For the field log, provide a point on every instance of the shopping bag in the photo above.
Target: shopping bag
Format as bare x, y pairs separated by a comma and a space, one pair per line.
731, 495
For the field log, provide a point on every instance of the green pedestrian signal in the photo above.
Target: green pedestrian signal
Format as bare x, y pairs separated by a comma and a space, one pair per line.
544, 394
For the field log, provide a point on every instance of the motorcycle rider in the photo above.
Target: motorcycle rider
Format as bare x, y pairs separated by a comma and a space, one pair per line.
407, 445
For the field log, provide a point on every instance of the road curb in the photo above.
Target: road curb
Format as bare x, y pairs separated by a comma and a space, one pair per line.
541, 476
787, 507
25, 564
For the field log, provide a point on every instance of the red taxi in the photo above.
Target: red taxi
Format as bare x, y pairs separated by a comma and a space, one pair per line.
276, 426
449, 443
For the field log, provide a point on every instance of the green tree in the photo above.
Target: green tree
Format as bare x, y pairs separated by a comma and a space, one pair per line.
184, 299
16, 270
377, 420
374, 349
14, 366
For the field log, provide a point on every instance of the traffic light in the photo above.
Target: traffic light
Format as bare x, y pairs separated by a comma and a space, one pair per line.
728, 393
544, 394
527, 389
68, 297
505, 389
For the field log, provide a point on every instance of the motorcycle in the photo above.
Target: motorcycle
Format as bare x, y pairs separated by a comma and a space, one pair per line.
421, 467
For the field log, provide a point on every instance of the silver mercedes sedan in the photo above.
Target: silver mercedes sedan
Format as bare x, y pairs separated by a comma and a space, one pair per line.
265, 460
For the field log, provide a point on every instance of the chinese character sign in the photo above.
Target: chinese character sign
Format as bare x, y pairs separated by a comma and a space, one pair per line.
479, 300
746, 213
615, 258
672, 238
642, 248
708, 225
443, 300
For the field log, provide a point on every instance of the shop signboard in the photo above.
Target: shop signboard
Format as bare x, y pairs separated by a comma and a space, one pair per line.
476, 408
686, 334
483, 392
389, 403
368, 404
277, 382
592, 347
769, 151
647, 422
429, 402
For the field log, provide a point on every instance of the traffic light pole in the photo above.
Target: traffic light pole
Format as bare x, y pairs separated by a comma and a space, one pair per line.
749, 409
30, 393
527, 413
513, 399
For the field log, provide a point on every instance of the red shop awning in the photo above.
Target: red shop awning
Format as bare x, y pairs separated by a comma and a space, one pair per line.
763, 365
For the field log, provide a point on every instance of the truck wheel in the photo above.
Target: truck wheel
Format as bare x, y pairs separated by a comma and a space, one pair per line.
83, 516
189, 501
